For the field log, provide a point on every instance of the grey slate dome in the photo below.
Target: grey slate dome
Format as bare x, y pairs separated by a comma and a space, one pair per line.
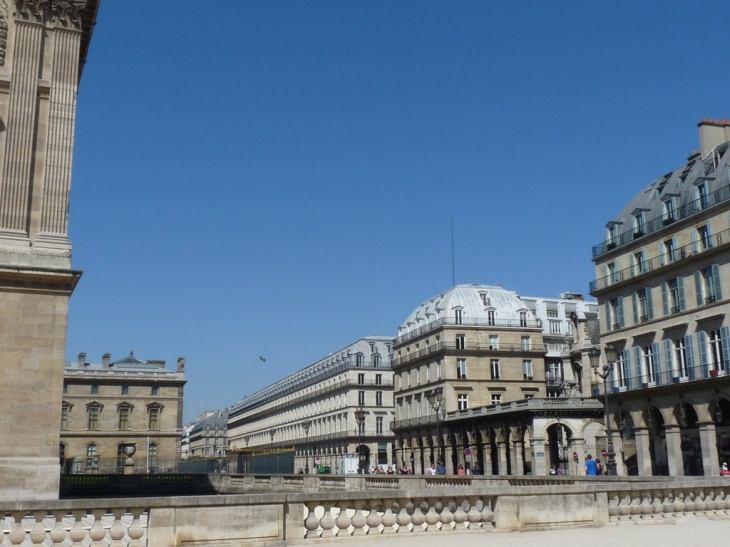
474, 301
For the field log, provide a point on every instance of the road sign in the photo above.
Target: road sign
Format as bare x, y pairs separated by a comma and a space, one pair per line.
467, 452
604, 452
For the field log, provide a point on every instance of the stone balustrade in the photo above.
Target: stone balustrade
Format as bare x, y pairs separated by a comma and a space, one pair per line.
332, 508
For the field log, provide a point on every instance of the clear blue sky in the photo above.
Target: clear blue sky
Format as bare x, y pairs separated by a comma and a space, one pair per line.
278, 178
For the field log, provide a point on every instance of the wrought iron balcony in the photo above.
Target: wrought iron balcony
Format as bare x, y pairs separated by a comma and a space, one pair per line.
467, 347
469, 322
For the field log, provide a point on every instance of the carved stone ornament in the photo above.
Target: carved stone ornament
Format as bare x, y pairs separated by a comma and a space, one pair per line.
3, 30
66, 13
33, 11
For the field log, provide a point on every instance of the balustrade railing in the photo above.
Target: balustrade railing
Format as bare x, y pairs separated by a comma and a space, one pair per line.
470, 322
455, 346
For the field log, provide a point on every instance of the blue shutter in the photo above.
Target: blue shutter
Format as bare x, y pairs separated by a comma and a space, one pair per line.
649, 303
632, 260
635, 305
627, 368
709, 235
694, 241
657, 363
716, 290
675, 251
689, 349
661, 253
725, 337
609, 326
665, 299
702, 341
668, 350
698, 287
620, 310
680, 290
637, 365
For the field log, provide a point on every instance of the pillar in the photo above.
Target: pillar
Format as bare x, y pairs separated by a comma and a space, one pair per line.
418, 459
539, 460
502, 455
643, 454
518, 464
577, 445
673, 436
708, 442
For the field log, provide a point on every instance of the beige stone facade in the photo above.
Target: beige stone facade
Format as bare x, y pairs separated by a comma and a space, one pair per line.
114, 404
663, 282
42, 48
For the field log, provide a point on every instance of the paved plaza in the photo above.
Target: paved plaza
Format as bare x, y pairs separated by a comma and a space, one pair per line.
684, 532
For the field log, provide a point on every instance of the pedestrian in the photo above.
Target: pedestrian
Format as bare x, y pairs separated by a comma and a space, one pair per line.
590, 466
553, 471
460, 471
432, 471
476, 470
441, 468
599, 467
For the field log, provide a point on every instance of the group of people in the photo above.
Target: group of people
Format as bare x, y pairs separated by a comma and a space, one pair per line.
593, 467
391, 470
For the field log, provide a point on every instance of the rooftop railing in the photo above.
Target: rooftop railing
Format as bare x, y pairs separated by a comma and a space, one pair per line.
632, 233
469, 322
680, 254
468, 347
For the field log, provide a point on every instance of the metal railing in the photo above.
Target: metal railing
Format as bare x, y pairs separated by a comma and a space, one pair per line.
631, 234
718, 240
469, 322
469, 347
663, 377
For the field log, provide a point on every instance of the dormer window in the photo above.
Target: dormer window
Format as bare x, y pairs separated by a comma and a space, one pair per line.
668, 211
359, 360
485, 298
701, 197
639, 224
458, 318
523, 319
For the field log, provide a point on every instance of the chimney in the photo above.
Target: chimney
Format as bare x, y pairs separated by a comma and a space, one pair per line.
105, 359
712, 133
82, 359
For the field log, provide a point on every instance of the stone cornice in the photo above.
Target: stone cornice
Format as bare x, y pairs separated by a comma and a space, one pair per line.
63, 13
38, 280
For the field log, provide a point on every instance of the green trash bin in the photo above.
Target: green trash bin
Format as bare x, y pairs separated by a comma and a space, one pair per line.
324, 469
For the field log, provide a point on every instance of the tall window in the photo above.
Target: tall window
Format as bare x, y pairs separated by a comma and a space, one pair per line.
611, 236
154, 418
361, 398
493, 341
457, 317
155, 390
439, 370
378, 379
680, 358
527, 369
361, 425
94, 389
526, 343
554, 327
701, 201
376, 360
707, 284
649, 368
675, 295
703, 235
92, 456
361, 379
639, 228
461, 369
64, 417
494, 365
123, 417
643, 301
640, 265
496, 398
668, 210
523, 319
379, 425
463, 402
612, 273
715, 340
379, 398
152, 456
359, 360
490, 318
620, 370
615, 313
93, 418
125, 390
670, 250
460, 341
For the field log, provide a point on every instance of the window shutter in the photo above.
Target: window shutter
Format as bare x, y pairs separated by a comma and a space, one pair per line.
633, 265
680, 290
627, 368
649, 303
656, 354
689, 349
637, 365
716, 290
725, 337
661, 253
668, 350
609, 326
702, 341
620, 310
694, 241
635, 305
698, 288
665, 299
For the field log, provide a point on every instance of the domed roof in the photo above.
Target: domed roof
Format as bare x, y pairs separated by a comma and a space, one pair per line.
474, 301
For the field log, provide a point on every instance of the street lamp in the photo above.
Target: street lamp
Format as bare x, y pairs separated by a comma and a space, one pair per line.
611, 358
436, 400
306, 425
360, 417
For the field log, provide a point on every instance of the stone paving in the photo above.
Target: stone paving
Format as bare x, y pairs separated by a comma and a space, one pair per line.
684, 532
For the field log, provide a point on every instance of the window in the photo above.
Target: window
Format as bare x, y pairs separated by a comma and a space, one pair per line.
91, 450
673, 296
496, 399
484, 298
64, 416
361, 426
494, 365
554, 375
526, 343
716, 360
523, 319
439, 371
361, 379
552, 314
152, 456
670, 250
359, 360
493, 341
376, 360
701, 198
94, 389
612, 273
704, 237
642, 303
123, 417
707, 284
125, 390
379, 425
457, 317
460, 341
93, 418
648, 359
463, 402
155, 390
361, 398
490, 318
680, 358
461, 369
638, 265
620, 370
527, 369
611, 236
378, 398
668, 214
61, 453
154, 418
639, 224
614, 314
65, 387
378, 379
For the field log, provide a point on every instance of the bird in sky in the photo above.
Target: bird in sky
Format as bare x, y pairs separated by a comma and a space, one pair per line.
264, 360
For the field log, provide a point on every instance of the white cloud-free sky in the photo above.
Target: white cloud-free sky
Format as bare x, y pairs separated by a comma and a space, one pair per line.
278, 178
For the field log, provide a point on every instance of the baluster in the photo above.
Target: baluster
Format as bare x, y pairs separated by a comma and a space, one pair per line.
668, 504
656, 505
117, 529
474, 516
487, 513
389, 519
646, 508
138, 528
700, 504
432, 517
343, 520
624, 506
311, 522
39, 531
327, 522
373, 519
447, 516
97, 533
460, 514
77, 533
16, 535
419, 517
59, 531
613, 503
635, 507
678, 504
358, 520
403, 519
689, 503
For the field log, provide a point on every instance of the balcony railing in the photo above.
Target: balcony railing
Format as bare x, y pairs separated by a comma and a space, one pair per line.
680, 254
693, 207
468, 347
663, 377
468, 322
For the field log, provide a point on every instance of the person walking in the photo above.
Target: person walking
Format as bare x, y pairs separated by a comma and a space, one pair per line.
591, 469
441, 468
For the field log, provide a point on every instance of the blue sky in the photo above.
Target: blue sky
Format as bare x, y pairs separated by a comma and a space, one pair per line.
278, 178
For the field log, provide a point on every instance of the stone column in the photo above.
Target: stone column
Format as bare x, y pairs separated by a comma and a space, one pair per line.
618, 447
577, 445
518, 465
539, 461
674, 450
502, 455
643, 454
418, 458
708, 442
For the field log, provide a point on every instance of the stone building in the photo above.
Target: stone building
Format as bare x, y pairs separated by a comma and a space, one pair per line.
470, 386
43, 46
313, 412
209, 435
111, 405
663, 281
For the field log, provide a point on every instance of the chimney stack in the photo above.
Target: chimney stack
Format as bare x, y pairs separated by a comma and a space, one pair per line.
82, 359
105, 359
712, 133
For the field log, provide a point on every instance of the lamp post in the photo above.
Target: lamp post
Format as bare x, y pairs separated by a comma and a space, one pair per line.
306, 425
611, 356
436, 400
360, 418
